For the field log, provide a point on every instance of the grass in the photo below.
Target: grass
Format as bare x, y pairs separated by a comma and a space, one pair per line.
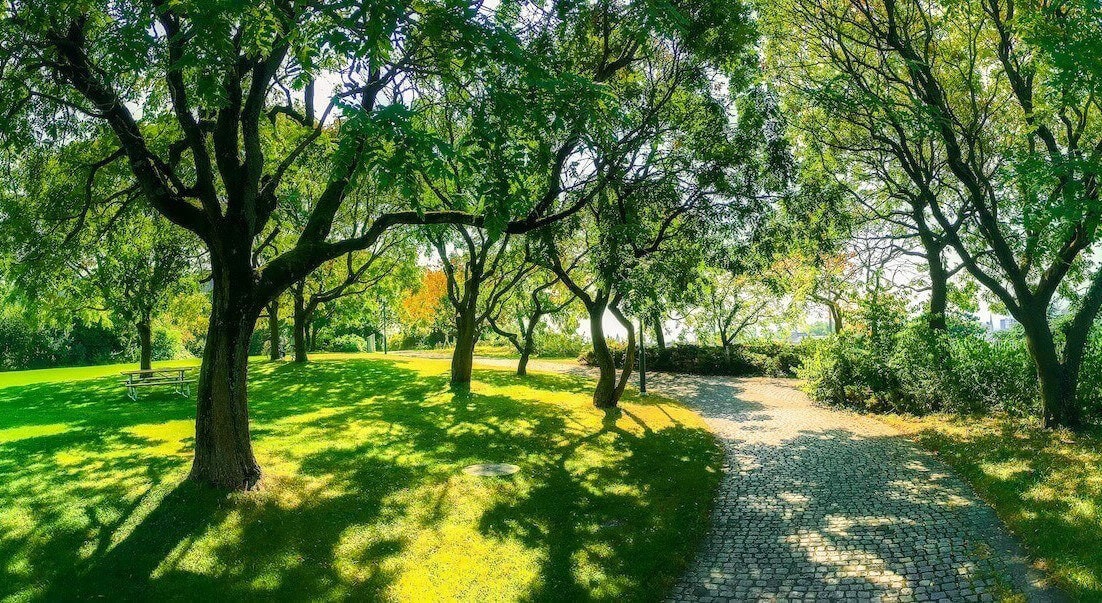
363, 495
508, 351
78, 373
1045, 485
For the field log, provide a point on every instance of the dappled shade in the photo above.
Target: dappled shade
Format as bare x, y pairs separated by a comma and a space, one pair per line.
1046, 486
364, 494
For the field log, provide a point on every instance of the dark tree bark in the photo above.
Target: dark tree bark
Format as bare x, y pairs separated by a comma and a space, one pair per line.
604, 395
223, 448
629, 351
609, 390
939, 294
933, 248
274, 343
525, 354
145, 339
301, 325
466, 335
482, 268
1058, 397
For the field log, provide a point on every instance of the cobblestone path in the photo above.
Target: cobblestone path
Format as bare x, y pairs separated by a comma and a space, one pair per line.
823, 504
818, 503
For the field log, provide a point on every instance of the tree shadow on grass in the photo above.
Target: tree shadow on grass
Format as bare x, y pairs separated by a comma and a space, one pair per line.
364, 458
1047, 486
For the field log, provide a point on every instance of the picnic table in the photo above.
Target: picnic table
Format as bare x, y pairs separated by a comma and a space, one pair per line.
177, 377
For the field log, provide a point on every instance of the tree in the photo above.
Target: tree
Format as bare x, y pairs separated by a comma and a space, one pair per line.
479, 276
114, 257
686, 173
536, 296
275, 343
729, 304
189, 92
1011, 122
352, 275
136, 269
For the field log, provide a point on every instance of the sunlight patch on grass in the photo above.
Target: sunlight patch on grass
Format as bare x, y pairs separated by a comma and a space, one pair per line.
14, 434
169, 437
1046, 485
363, 494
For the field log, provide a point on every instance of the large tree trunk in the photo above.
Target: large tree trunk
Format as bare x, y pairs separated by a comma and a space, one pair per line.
939, 286
145, 342
629, 352
604, 396
301, 324
466, 333
274, 342
1059, 400
223, 449
939, 297
522, 364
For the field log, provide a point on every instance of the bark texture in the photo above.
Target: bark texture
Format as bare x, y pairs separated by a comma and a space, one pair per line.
145, 339
466, 335
275, 352
223, 448
301, 329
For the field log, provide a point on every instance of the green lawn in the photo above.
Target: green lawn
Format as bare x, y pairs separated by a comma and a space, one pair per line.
1045, 485
10, 378
362, 497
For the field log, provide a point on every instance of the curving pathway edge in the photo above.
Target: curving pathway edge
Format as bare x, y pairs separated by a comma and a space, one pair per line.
819, 503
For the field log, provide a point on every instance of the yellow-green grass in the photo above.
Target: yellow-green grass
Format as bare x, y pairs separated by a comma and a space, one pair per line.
508, 351
1045, 485
10, 378
363, 496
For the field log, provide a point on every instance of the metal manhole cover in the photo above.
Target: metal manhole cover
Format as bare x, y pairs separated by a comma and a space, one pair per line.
491, 469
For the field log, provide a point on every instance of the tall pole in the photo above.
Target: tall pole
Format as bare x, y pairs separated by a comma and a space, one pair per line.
642, 361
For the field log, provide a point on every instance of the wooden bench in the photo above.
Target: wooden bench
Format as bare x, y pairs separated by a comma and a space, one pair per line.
176, 377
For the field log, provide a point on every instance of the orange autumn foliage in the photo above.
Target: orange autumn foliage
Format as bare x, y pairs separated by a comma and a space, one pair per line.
422, 305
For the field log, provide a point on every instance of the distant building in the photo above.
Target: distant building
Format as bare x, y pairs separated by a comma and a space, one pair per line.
797, 337
1002, 323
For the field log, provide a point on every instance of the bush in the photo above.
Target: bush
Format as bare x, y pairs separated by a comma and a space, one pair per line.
168, 344
1090, 376
760, 359
559, 345
992, 374
347, 343
618, 349
27, 344
908, 367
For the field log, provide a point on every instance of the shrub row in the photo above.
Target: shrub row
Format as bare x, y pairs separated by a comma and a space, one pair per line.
26, 345
914, 369
758, 359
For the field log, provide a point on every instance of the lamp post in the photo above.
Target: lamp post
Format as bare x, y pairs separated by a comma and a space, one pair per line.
384, 326
642, 361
